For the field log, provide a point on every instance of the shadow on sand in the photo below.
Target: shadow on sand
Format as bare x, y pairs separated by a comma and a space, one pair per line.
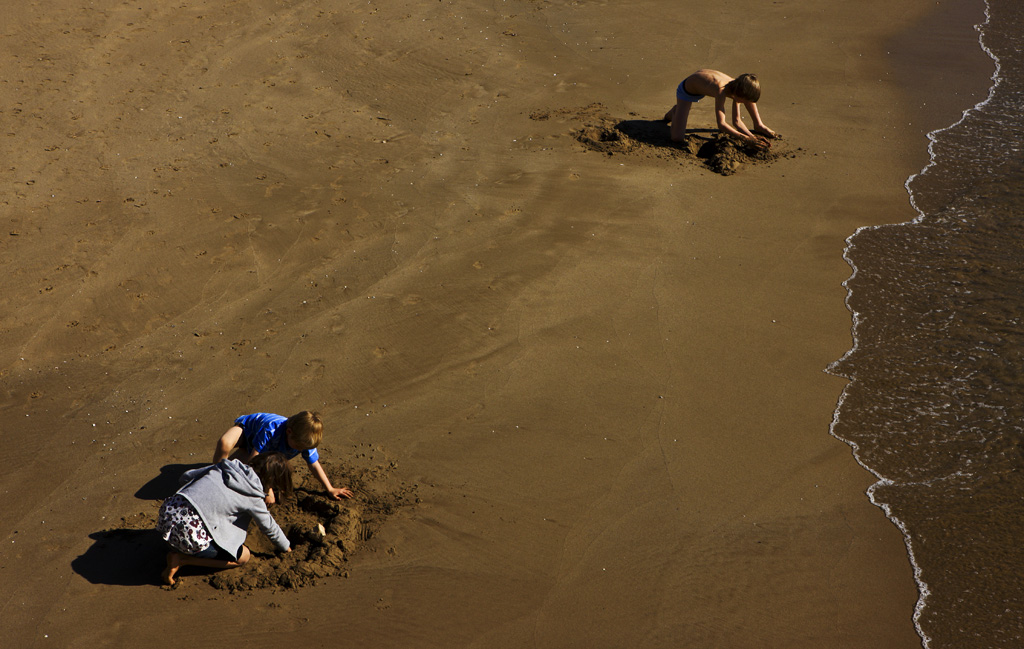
658, 133
123, 557
133, 554
164, 485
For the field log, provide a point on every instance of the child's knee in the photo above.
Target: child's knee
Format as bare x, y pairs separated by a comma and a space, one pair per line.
244, 557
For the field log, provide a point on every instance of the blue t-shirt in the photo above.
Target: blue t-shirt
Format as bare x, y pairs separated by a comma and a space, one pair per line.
264, 433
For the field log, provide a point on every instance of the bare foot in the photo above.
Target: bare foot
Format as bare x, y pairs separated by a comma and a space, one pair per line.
173, 563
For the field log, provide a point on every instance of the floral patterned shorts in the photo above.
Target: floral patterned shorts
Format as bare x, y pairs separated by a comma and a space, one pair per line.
180, 525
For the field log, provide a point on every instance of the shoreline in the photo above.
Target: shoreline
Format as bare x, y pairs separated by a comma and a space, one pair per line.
939, 26
604, 373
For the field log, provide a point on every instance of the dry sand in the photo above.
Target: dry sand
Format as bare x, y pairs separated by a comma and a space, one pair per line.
601, 375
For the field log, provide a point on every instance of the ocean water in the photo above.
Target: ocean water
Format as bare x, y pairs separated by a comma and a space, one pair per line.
935, 406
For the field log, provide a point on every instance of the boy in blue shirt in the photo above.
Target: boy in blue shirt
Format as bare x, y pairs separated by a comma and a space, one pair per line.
263, 432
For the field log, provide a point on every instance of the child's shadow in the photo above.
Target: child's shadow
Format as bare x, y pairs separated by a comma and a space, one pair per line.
123, 557
655, 132
164, 485
132, 557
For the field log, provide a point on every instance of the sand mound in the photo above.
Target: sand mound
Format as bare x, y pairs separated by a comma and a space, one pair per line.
324, 533
650, 139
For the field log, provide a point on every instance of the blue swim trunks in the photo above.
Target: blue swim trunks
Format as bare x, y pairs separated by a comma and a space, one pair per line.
682, 95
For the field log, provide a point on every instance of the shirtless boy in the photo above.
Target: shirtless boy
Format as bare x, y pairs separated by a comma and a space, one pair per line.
743, 90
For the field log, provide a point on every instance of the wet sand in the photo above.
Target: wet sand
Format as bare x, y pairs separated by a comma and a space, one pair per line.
602, 373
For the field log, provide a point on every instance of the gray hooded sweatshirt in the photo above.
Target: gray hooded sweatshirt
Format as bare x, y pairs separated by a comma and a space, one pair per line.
227, 496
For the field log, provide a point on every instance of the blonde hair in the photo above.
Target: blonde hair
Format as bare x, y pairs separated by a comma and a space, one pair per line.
745, 87
305, 430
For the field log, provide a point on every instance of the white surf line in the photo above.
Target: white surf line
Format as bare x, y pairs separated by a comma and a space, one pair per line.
922, 586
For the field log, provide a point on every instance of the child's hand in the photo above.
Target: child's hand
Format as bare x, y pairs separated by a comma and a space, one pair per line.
759, 142
338, 493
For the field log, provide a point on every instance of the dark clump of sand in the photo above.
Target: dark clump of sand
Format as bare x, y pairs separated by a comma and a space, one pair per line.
323, 532
650, 139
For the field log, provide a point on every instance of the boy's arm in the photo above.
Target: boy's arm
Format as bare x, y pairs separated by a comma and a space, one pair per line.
724, 126
759, 126
335, 492
226, 444
737, 120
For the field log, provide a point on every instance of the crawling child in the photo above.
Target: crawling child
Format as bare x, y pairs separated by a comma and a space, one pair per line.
264, 432
743, 90
205, 522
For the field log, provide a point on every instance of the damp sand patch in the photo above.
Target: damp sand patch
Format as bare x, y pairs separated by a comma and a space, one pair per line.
650, 139
324, 533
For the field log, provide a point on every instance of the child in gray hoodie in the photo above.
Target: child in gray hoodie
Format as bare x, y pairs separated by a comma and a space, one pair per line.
206, 521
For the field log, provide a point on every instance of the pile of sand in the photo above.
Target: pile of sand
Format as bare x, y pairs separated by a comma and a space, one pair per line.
651, 139
323, 532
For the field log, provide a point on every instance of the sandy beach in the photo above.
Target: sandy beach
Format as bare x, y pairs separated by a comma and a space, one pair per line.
596, 379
